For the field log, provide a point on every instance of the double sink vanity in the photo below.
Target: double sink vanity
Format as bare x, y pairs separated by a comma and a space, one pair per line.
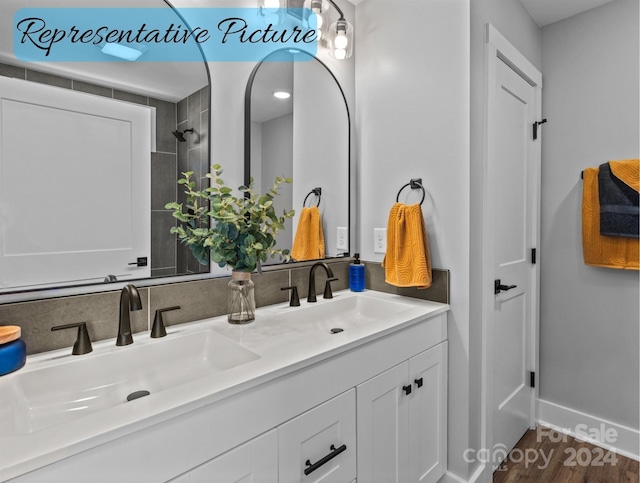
352, 387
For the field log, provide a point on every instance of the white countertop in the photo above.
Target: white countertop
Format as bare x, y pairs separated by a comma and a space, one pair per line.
283, 345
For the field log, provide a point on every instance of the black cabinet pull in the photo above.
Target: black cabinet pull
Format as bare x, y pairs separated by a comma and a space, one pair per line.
311, 467
418, 382
407, 389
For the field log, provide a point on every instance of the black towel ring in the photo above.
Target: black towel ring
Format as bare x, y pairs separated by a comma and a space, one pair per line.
314, 191
415, 183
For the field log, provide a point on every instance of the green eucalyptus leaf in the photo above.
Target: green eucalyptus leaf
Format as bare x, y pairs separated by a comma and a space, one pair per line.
225, 229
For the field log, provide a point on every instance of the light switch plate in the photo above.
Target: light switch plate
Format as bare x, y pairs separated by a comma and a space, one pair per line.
379, 240
342, 241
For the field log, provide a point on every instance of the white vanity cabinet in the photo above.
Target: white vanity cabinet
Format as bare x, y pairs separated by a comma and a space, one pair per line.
256, 460
353, 393
320, 445
402, 421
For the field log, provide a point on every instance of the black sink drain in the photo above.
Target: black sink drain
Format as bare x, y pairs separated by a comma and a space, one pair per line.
137, 395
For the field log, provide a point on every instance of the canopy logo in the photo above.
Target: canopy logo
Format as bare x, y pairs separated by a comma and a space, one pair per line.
160, 34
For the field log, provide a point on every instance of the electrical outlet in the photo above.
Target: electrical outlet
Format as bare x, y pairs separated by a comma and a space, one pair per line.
379, 240
342, 242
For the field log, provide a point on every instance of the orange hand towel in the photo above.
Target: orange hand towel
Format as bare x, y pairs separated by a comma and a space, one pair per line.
598, 250
407, 262
627, 171
308, 243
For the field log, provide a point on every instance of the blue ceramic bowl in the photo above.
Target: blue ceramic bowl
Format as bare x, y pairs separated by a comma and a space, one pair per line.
13, 355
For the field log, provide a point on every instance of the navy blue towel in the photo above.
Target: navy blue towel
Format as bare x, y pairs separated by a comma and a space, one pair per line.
619, 212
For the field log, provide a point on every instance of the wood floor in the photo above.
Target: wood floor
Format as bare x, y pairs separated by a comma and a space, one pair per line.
547, 456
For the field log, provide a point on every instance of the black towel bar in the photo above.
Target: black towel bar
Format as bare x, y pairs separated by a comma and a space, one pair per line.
314, 191
415, 183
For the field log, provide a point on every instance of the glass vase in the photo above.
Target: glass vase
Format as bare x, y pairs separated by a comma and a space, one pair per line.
241, 302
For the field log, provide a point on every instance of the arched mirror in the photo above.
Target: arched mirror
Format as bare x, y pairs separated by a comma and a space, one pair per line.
76, 206
297, 125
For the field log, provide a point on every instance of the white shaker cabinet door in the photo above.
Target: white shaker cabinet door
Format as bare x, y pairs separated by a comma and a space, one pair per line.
320, 445
255, 461
383, 427
428, 415
402, 421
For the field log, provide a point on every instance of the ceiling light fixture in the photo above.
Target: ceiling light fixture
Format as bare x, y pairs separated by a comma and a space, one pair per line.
130, 52
282, 95
338, 37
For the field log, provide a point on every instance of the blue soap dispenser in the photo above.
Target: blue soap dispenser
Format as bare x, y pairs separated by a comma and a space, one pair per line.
356, 274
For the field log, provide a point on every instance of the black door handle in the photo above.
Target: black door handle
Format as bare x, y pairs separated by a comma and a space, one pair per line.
407, 389
498, 287
140, 262
419, 382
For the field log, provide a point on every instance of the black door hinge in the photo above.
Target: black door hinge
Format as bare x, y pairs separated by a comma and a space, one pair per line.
532, 379
533, 256
535, 128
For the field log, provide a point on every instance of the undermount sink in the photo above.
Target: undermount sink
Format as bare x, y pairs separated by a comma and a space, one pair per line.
59, 392
344, 311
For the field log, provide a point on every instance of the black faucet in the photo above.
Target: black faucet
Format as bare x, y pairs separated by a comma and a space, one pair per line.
129, 300
311, 293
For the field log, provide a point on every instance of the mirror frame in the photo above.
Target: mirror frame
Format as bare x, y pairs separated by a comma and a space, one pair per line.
247, 149
30, 294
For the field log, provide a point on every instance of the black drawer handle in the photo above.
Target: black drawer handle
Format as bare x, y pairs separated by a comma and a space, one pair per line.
418, 382
407, 389
334, 452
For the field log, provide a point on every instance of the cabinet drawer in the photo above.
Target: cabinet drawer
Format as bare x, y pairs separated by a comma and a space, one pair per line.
321, 441
256, 460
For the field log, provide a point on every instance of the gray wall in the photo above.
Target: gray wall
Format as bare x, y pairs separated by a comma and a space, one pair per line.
277, 157
589, 316
412, 120
512, 21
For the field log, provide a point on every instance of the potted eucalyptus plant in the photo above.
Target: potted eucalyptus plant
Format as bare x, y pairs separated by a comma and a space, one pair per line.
235, 231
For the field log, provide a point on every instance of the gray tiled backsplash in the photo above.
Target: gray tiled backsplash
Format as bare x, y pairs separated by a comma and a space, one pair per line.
99, 311
198, 300
92, 89
165, 125
437, 292
163, 179
130, 97
7, 70
50, 79
163, 244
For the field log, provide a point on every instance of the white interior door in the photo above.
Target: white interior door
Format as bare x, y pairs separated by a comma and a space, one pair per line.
512, 263
74, 186
511, 219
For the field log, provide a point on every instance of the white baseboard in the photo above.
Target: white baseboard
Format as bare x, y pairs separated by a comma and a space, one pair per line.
476, 477
611, 436
451, 478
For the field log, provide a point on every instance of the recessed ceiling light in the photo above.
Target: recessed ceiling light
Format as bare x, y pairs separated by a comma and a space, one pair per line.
282, 94
124, 51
